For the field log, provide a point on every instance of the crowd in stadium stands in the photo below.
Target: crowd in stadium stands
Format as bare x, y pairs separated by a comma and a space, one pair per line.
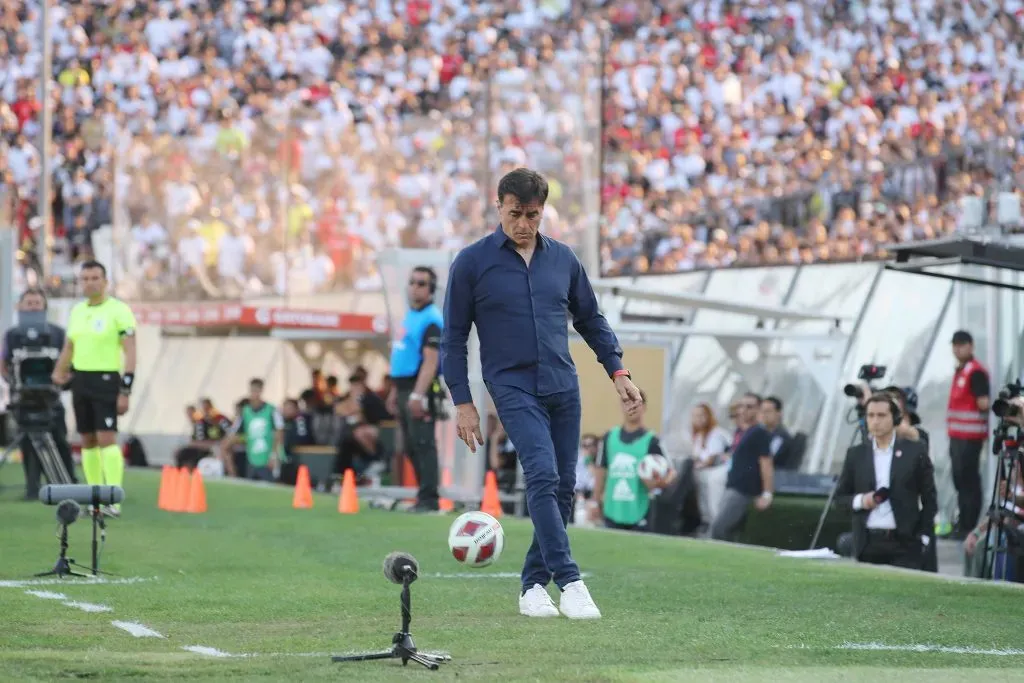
268, 146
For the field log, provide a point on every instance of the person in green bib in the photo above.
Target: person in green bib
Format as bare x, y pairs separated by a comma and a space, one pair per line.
261, 427
618, 488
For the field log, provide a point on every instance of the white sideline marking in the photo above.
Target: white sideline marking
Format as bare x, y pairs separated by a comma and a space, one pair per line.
89, 581
88, 606
68, 602
485, 575
1004, 652
47, 595
208, 651
214, 652
137, 630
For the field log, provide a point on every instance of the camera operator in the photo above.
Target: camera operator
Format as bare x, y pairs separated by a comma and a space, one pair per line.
967, 426
890, 483
1008, 566
34, 300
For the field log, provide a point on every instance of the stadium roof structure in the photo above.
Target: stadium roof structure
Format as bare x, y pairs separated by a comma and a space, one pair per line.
925, 257
820, 348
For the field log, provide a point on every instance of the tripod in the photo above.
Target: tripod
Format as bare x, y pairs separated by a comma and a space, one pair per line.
1002, 507
63, 566
862, 432
402, 646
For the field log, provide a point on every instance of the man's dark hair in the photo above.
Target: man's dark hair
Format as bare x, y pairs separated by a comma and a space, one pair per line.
882, 397
92, 263
775, 401
430, 273
256, 383
525, 185
756, 397
332, 381
33, 291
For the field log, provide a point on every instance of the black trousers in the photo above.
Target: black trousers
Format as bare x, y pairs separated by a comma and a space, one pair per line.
33, 467
886, 547
965, 459
421, 449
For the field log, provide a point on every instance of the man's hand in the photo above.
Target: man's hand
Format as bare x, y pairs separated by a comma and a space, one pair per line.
628, 393
762, 503
467, 426
122, 404
416, 408
867, 501
971, 543
60, 376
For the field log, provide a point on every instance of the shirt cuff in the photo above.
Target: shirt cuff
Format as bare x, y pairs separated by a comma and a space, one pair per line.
858, 501
613, 365
460, 394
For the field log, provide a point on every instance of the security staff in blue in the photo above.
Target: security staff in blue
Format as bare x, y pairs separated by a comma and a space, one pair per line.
415, 390
520, 288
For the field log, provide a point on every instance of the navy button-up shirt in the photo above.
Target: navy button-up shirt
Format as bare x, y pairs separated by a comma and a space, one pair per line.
522, 317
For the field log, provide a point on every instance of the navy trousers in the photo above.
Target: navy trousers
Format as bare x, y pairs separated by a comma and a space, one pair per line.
545, 431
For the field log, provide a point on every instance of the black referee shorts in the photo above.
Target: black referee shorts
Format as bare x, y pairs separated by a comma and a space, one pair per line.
94, 400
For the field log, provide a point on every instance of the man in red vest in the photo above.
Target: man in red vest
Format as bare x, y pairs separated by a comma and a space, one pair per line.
967, 426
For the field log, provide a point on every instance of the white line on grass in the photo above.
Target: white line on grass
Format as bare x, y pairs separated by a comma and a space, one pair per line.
956, 650
137, 630
68, 602
207, 651
88, 581
484, 575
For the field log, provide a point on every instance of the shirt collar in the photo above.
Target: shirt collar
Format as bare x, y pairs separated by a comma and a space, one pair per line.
876, 449
501, 239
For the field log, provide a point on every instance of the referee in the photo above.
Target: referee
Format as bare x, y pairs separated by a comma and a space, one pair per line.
414, 370
99, 329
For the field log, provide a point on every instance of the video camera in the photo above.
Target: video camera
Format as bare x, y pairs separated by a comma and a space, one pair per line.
868, 373
1002, 406
34, 355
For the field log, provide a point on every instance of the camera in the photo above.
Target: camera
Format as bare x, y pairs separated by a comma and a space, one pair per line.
867, 373
34, 398
1002, 406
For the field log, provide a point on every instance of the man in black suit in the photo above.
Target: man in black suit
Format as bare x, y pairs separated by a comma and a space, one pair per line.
890, 483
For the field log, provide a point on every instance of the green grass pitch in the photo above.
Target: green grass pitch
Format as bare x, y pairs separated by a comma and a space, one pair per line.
289, 587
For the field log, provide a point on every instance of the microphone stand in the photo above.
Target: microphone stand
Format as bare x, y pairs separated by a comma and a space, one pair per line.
63, 566
402, 646
98, 525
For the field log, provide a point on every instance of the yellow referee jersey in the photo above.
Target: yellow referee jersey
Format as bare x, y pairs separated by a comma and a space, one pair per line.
95, 333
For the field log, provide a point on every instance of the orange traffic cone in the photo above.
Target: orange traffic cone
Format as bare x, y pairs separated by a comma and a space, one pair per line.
196, 494
445, 504
348, 501
303, 497
179, 502
490, 502
409, 475
166, 483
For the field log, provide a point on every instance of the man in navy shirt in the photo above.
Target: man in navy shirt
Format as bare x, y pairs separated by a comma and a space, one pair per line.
520, 288
751, 475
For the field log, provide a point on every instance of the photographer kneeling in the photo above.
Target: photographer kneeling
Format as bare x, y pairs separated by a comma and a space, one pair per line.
1002, 538
28, 356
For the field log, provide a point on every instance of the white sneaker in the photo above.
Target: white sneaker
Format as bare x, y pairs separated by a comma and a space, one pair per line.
537, 603
576, 602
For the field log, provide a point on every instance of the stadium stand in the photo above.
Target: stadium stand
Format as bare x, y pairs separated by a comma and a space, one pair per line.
237, 147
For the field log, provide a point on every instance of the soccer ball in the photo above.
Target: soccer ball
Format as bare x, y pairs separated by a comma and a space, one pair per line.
653, 467
476, 539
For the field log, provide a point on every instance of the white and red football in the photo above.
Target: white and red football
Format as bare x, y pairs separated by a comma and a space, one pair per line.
476, 539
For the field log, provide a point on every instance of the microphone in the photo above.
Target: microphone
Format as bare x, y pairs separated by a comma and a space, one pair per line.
58, 494
68, 511
399, 566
